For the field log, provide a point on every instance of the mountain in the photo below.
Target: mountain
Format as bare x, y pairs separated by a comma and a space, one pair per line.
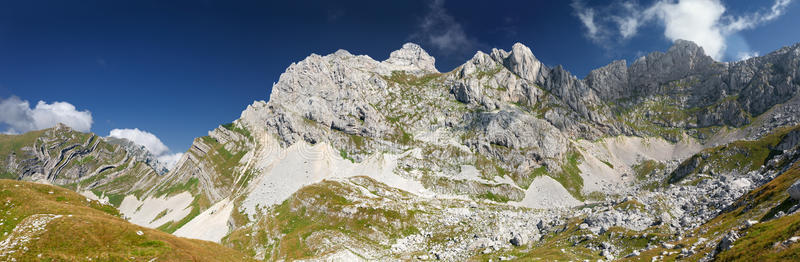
676, 156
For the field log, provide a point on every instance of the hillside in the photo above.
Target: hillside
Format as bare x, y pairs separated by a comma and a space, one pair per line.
47, 223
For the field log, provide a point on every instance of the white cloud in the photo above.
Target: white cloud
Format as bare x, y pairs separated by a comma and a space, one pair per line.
170, 160
694, 20
755, 19
704, 22
746, 55
141, 137
628, 26
441, 30
151, 142
586, 15
18, 115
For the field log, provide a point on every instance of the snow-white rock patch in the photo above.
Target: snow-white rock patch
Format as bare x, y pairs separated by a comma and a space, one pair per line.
211, 225
286, 170
144, 212
546, 192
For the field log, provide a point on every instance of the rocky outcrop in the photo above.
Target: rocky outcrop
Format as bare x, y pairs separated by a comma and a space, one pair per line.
63, 156
682, 60
140, 153
789, 141
727, 241
611, 81
794, 190
411, 59
521, 62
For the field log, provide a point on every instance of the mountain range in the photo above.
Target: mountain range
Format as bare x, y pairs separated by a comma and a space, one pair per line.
675, 156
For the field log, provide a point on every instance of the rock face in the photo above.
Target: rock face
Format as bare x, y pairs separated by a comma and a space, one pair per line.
727, 241
791, 140
412, 59
62, 156
140, 153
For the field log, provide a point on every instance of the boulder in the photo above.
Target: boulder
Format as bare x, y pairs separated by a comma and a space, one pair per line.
794, 190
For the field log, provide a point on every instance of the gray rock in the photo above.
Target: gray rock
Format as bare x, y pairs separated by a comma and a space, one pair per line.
794, 190
519, 240
727, 241
413, 59
791, 140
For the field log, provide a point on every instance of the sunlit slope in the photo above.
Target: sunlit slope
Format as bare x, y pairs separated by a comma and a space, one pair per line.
43, 222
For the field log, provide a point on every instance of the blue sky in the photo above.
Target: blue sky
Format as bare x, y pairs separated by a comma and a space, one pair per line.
177, 69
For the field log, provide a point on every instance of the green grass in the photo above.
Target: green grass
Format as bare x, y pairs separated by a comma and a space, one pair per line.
525, 181
316, 209
742, 155
490, 73
631, 205
115, 199
14, 143
344, 155
646, 168
596, 196
160, 215
607, 163
189, 186
223, 162
7, 175
358, 141
570, 175
84, 160
172, 226
758, 244
496, 198
403, 78
232, 127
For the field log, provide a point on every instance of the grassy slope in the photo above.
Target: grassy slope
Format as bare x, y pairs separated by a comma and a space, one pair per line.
319, 208
14, 143
93, 231
742, 155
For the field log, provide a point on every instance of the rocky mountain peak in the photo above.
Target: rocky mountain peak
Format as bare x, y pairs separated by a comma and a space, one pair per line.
412, 58
479, 62
521, 61
686, 47
62, 127
342, 53
683, 59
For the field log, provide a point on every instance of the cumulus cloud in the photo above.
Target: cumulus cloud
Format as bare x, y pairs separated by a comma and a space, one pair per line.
149, 141
141, 137
441, 30
170, 160
695, 20
704, 22
19, 117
